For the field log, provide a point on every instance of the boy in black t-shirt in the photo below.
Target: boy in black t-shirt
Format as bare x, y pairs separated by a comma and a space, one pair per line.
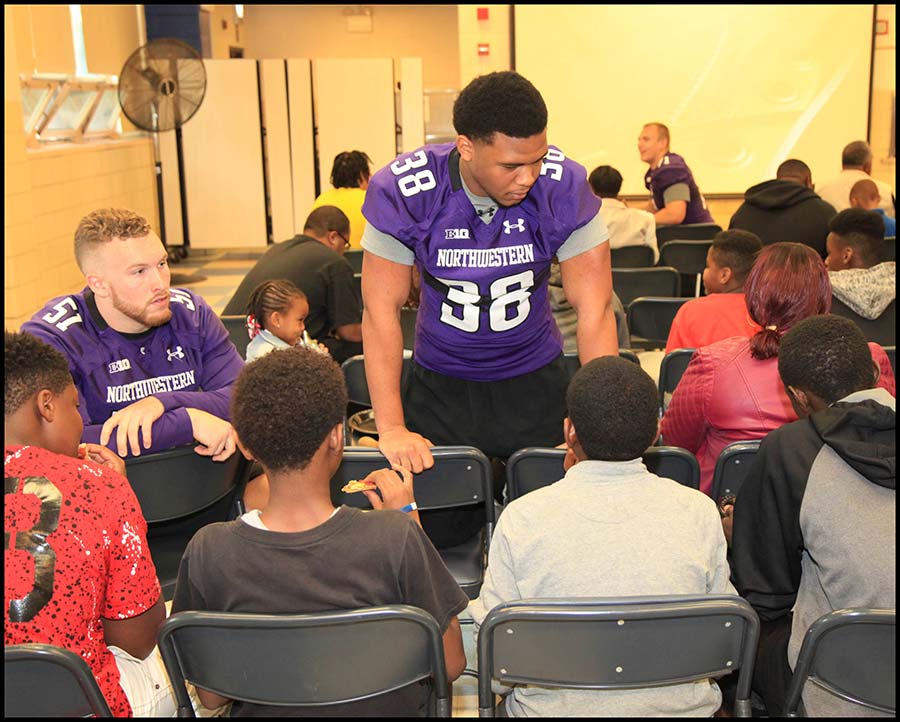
299, 553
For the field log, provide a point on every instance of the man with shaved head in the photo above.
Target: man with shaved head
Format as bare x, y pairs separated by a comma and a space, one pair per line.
856, 161
864, 194
786, 209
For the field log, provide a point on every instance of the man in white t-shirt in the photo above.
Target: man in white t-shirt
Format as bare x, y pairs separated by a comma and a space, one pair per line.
856, 161
626, 226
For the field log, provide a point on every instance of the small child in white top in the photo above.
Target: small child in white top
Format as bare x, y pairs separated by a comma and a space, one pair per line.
277, 311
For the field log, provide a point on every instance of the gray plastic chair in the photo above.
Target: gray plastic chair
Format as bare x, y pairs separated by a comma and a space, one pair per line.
731, 468
237, 332
535, 467
616, 643
688, 256
671, 369
179, 492
631, 257
461, 477
305, 660
630, 283
354, 256
687, 232
573, 363
850, 653
40, 680
890, 249
650, 320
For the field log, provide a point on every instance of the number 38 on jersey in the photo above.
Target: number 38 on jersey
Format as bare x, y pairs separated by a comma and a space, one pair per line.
412, 183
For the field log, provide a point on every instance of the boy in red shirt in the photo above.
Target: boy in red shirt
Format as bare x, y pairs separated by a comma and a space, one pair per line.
722, 313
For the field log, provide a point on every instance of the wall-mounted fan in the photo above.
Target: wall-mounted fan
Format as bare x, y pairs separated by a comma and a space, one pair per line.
161, 86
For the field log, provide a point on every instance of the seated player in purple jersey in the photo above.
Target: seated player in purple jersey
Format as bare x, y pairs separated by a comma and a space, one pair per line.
482, 219
675, 195
153, 366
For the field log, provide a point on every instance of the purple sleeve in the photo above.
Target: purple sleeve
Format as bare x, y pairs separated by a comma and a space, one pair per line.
406, 217
221, 366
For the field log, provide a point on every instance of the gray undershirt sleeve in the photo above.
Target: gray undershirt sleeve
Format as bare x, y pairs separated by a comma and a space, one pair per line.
386, 246
677, 192
583, 239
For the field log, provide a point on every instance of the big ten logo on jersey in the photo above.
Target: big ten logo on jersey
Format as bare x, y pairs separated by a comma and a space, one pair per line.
412, 183
552, 165
64, 314
180, 296
31, 521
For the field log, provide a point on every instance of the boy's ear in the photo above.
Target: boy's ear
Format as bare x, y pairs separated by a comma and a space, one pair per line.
244, 450
725, 275
45, 405
465, 147
97, 284
801, 401
336, 438
569, 433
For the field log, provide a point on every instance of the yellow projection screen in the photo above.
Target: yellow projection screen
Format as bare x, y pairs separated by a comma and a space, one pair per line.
742, 88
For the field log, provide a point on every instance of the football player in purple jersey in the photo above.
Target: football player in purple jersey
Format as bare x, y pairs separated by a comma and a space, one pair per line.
675, 195
153, 366
481, 219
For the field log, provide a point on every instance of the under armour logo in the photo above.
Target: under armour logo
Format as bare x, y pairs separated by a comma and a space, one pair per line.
518, 225
177, 353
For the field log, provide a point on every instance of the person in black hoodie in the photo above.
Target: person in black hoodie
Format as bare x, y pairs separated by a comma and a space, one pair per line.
814, 521
786, 209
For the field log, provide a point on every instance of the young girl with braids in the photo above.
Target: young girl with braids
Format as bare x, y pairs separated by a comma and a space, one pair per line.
277, 311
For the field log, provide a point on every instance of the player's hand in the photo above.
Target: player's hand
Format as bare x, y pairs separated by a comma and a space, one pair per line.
406, 448
102, 455
728, 521
396, 491
134, 418
216, 436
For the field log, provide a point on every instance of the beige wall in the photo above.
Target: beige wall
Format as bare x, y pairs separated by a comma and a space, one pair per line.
494, 31
43, 35
48, 191
320, 31
884, 87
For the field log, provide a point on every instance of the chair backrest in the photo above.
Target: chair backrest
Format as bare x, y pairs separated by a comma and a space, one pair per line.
573, 363
304, 660
881, 330
461, 478
357, 284
731, 468
689, 257
354, 369
650, 320
408, 326
179, 492
687, 232
631, 257
889, 252
616, 643
354, 257
891, 352
535, 467
850, 653
41, 680
671, 369
237, 332
629, 283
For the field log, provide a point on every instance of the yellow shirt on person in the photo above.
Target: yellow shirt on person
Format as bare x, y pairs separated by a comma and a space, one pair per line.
350, 201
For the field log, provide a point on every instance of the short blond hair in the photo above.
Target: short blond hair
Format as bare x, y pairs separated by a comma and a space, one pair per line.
662, 131
102, 226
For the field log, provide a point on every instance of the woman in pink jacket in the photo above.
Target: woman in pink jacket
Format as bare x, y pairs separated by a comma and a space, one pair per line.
731, 390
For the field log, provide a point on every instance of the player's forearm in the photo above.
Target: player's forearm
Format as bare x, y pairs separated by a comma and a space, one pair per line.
213, 402
671, 214
596, 333
383, 344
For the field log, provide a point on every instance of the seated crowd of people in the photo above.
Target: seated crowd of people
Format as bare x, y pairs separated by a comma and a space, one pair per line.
130, 366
